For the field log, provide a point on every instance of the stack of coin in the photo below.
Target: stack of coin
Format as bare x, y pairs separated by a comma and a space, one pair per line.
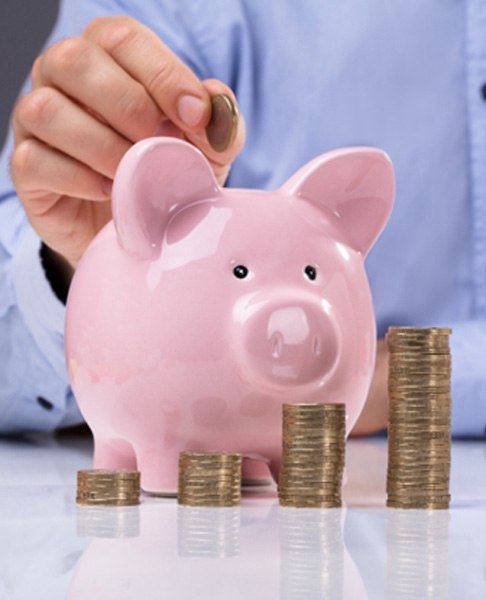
313, 455
419, 433
209, 479
97, 487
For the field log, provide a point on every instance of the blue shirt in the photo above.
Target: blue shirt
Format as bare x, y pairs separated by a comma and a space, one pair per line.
309, 76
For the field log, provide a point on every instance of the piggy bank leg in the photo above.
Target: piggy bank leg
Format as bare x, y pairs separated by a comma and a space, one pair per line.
159, 470
113, 454
275, 466
255, 471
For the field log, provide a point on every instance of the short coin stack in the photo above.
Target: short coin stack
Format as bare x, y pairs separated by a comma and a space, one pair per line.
419, 433
313, 455
98, 487
209, 479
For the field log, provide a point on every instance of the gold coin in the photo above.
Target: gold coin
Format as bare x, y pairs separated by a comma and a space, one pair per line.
308, 407
209, 479
419, 456
418, 505
309, 501
97, 487
223, 125
424, 497
313, 455
419, 331
418, 432
419, 445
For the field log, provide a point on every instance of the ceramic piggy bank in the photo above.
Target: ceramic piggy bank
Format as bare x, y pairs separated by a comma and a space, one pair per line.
198, 311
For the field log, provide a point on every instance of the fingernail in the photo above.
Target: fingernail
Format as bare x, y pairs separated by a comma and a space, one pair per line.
107, 186
190, 110
221, 130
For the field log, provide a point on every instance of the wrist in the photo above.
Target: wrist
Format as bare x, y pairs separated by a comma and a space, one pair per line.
374, 416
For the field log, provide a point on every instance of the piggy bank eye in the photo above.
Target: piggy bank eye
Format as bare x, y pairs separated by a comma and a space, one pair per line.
240, 271
311, 272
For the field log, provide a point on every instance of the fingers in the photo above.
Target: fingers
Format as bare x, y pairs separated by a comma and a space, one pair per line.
37, 168
173, 86
95, 95
121, 74
83, 71
57, 121
35, 72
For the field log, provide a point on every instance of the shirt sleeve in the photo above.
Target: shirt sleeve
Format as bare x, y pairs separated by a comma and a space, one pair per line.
34, 394
468, 341
34, 389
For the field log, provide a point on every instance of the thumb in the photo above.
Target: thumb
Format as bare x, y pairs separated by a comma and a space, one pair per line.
224, 136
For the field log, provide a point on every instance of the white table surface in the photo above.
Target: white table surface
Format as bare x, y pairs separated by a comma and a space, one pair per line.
51, 548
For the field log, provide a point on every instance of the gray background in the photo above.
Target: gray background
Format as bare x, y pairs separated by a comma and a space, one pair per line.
24, 27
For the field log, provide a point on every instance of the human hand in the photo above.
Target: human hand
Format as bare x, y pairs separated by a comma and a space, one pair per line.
92, 98
374, 416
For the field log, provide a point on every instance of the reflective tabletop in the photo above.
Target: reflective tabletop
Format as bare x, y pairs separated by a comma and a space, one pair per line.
51, 548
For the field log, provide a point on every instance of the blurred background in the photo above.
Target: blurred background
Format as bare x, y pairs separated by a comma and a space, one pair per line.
24, 27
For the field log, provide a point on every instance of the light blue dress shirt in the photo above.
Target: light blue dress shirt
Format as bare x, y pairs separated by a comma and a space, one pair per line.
406, 76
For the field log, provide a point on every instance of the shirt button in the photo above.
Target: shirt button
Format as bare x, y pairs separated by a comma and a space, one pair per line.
45, 403
483, 91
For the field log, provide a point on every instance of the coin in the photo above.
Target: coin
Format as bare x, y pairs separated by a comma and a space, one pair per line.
418, 503
312, 455
222, 127
419, 442
99, 487
209, 479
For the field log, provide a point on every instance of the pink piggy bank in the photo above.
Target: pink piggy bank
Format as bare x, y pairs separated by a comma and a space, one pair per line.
198, 311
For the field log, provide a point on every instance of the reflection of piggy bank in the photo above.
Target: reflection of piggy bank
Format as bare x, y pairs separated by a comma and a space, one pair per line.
199, 311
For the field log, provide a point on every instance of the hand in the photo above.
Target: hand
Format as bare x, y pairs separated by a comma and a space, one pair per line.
93, 97
374, 416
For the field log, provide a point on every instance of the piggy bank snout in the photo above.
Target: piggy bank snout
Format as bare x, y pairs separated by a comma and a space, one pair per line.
291, 343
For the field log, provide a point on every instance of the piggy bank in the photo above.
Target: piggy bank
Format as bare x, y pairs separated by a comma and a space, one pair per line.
198, 311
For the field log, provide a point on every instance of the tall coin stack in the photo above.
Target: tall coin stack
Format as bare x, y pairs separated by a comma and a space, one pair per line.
98, 487
209, 479
419, 433
313, 455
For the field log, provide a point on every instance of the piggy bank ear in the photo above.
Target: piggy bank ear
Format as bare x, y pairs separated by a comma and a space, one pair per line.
356, 184
154, 180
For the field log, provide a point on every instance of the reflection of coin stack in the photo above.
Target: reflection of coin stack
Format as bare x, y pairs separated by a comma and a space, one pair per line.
419, 439
209, 479
313, 455
208, 532
312, 554
97, 487
108, 522
417, 548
